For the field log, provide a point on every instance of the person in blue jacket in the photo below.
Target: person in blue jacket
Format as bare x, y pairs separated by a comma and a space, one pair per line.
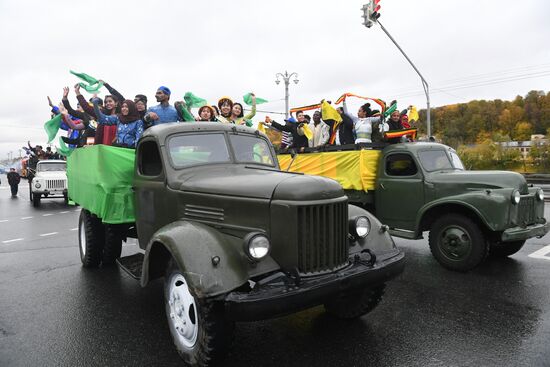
128, 122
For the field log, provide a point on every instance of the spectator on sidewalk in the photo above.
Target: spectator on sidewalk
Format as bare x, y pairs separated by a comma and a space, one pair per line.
13, 180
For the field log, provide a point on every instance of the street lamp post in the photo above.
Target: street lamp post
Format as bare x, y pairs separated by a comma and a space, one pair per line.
286, 78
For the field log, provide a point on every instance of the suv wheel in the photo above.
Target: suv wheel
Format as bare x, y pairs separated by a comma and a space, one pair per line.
113, 243
503, 249
353, 305
457, 243
91, 239
198, 327
35, 200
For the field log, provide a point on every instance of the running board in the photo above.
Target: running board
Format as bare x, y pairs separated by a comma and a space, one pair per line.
132, 265
404, 234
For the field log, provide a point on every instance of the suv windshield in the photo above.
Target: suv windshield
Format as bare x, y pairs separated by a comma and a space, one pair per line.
49, 167
435, 160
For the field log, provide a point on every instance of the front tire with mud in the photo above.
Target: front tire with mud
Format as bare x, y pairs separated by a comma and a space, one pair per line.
91, 239
457, 242
198, 327
357, 304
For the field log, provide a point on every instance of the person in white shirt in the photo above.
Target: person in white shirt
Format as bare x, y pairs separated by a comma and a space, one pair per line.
320, 130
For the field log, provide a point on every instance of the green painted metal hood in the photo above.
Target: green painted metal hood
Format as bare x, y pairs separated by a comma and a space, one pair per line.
462, 180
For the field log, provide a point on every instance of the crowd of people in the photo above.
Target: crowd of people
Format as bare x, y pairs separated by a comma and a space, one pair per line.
116, 120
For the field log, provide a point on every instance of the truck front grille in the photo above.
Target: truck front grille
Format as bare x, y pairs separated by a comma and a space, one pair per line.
55, 184
526, 210
322, 237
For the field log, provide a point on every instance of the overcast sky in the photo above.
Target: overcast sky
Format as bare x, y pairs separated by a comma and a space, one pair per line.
466, 49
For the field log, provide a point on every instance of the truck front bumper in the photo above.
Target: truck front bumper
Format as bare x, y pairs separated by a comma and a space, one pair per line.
524, 233
51, 193
284, 295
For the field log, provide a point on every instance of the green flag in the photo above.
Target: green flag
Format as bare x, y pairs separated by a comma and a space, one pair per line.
64, 149
193, 101
94, 88
85, 77
247, 98
389, 111
52, 127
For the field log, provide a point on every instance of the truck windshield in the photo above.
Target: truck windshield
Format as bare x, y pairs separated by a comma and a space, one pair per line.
192, 149
250, 149
435, 160
49, 167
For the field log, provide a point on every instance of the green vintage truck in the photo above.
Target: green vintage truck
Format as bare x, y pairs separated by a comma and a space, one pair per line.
235, 238
423, 186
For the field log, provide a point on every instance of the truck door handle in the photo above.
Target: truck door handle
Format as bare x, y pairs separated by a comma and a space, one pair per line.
382, 186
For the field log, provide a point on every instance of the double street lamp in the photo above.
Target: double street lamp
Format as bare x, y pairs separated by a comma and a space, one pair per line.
286, 78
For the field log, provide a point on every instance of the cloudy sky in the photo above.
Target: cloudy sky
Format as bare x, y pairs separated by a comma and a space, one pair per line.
466, 49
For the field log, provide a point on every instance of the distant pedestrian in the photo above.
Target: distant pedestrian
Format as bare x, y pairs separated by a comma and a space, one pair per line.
13, 180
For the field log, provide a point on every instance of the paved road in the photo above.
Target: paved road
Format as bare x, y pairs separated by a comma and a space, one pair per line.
55, 313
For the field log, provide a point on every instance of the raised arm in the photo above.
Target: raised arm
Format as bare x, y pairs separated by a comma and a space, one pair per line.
101, 117
83, 103
113, 91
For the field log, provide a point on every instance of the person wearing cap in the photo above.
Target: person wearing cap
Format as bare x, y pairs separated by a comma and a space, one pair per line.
163, 112
13, 180
225, 104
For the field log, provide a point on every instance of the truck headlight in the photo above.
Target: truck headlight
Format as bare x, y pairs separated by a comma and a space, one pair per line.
540, 194
516, 197
256, 246
37, 185
360, 226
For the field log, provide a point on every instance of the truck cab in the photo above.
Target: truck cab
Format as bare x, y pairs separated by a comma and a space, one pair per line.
416, 187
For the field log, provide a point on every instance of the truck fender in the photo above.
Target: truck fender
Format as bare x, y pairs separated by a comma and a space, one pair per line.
209, 260
459, 205
378, 240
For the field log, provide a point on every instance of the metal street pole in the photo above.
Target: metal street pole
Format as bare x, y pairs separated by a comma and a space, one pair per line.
286, 78
424, 82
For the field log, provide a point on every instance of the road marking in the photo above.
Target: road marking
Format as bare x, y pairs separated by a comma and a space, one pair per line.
66, 211
542, 253
48, 234
74, 229
14, 240
4, 220
47, 215
26, 218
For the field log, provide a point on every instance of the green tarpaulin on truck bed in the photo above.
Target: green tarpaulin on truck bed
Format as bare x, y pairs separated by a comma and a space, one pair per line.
100, 179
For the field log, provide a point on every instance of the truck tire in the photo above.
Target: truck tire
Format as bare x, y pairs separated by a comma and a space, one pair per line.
35, 200
354, 305
91, 239
30, 192
66, 199
198, 327
503, 249
113, 243
457, 243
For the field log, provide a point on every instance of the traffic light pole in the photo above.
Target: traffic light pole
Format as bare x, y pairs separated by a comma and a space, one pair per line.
424, 82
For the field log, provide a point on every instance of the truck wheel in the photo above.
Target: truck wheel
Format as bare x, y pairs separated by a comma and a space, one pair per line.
66, 199
30, 192
353, 305
198, 327
36, 200
457, 243
503, 249
91, 239
113, 243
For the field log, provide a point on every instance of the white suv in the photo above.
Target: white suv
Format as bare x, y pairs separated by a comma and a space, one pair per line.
49, 181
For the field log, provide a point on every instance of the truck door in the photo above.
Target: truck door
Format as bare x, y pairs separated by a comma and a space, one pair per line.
399, 191
149, 187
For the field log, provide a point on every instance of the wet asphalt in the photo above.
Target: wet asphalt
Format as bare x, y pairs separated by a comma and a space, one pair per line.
53, 312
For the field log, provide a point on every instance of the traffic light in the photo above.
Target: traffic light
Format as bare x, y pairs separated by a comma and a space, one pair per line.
371, 13
375, 10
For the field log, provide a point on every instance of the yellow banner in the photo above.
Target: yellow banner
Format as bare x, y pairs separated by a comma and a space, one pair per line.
354, 170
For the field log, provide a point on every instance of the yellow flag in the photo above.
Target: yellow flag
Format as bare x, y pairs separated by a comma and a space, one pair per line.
307, 131
261, 128
413, 113
329, 113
